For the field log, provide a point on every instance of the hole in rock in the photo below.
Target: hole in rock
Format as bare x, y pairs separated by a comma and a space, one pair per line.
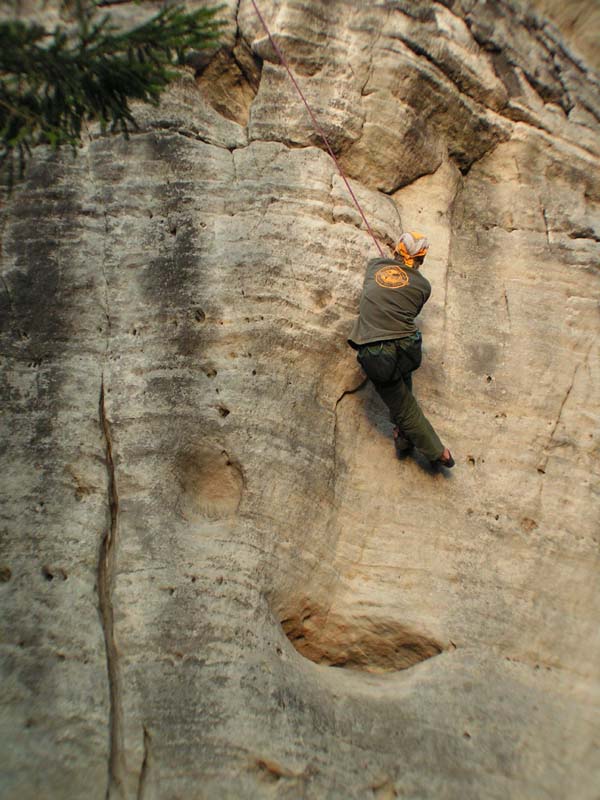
269, 769
5, 574
208, 370
211, 483
528, 524
359, 643
50, 573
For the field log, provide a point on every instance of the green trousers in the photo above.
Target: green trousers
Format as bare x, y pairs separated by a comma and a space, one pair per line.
390, 366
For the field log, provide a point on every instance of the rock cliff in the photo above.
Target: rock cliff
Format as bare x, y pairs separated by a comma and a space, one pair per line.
217, 579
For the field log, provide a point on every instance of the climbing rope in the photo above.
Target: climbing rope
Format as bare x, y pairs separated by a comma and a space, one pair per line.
316, 124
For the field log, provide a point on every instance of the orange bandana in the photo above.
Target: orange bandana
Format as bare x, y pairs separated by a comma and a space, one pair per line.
410, 246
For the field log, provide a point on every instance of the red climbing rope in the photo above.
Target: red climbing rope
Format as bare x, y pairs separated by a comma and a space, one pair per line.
315, 122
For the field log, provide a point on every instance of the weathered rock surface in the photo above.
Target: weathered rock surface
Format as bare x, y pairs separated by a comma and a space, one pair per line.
217, 580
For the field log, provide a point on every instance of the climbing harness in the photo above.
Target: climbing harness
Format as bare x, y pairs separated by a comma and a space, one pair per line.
316, 124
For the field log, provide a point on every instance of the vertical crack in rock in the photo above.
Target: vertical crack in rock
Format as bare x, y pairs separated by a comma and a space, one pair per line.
235, 175
566, 101
547, 227
335, 424
145, 765
506, 303
106, 566
546, 452
374, 45
236, 16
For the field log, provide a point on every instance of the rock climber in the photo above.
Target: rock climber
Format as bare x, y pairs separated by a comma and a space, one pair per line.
389, 343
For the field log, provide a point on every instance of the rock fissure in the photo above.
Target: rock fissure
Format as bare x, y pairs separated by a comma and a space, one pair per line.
236, 17
568, 104
106, 578
507, 306
345, 393
546, 452
164, 125
546, 224
142, 782
587, 235
373, 48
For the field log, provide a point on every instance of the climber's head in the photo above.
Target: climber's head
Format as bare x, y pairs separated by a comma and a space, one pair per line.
412, 248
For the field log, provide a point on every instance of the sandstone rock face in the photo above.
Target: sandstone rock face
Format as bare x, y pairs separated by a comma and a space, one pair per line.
217, 579
578, 21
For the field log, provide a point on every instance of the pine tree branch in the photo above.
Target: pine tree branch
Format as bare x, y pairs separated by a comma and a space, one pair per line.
52, 83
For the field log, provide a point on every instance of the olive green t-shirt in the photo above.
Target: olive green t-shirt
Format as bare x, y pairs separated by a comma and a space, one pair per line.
392, 296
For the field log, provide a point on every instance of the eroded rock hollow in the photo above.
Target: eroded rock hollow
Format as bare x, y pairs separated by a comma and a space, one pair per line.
217, 579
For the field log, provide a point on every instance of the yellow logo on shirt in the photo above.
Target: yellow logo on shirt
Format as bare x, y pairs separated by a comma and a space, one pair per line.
391, 277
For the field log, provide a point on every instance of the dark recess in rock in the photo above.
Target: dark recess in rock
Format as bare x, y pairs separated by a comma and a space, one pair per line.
361, 644
230, 81
50, 573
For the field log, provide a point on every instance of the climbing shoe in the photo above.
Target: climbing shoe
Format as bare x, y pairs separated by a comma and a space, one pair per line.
445, 460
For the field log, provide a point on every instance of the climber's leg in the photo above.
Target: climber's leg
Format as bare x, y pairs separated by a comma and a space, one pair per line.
407, 415
389, 364
402, 442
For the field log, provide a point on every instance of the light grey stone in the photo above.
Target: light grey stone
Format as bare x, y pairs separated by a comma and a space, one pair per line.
217, 579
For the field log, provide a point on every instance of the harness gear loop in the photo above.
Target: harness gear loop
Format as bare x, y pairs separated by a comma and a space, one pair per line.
316, 124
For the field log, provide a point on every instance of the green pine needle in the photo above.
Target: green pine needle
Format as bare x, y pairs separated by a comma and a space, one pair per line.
51, 83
